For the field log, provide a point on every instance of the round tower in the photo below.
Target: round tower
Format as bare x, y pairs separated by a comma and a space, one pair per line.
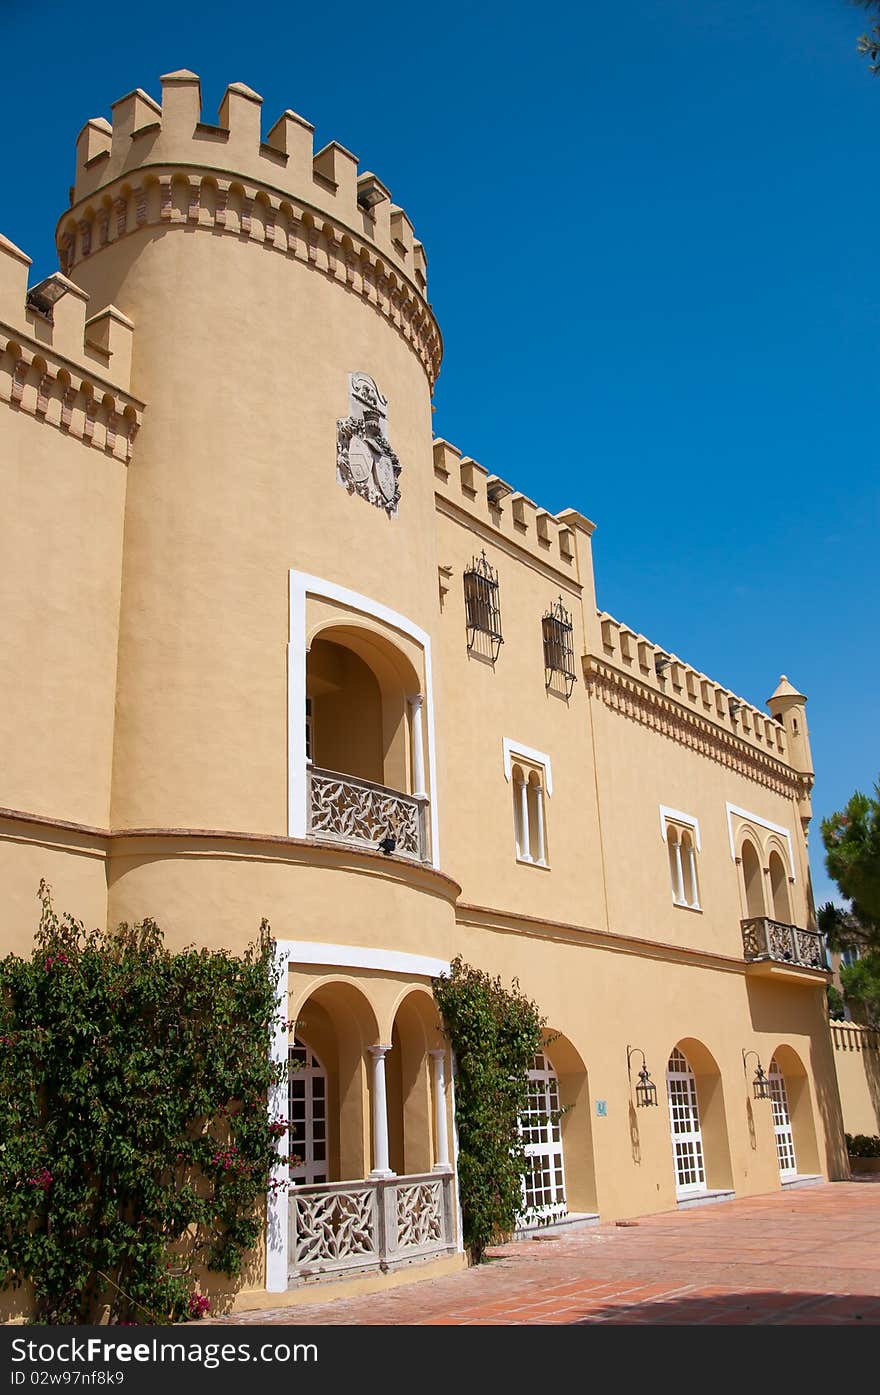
279, 582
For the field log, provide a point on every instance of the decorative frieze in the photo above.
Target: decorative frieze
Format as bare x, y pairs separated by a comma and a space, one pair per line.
31, 389
643, 704
330, 249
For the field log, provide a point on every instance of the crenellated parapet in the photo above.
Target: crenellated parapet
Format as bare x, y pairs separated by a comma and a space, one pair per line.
158, 165
468, 489
62, 366
642, 681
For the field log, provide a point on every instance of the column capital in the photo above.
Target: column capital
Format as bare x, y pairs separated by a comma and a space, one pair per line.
379, 1052
415, 699
438, 1053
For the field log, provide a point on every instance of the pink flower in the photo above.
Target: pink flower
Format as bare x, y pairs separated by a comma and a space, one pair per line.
199, 1305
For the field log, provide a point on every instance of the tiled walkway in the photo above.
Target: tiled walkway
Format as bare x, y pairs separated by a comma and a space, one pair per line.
809, 1256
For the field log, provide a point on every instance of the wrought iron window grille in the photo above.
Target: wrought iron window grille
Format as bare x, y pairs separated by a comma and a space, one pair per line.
482, 608
558, 633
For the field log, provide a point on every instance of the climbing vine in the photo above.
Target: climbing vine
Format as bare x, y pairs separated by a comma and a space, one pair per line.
495, 1033
136, 1145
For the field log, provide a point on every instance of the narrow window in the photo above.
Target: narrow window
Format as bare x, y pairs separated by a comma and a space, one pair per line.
684, 1124
558, 634
483, 609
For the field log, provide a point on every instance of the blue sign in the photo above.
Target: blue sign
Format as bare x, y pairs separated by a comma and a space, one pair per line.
602, 1108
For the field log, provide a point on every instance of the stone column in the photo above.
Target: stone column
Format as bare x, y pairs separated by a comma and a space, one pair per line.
692, 868
438, 1057
679, 874
539, 810
380, 1114
418, 749
524, 852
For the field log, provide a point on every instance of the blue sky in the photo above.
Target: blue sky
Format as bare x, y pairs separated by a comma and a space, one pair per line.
651, 233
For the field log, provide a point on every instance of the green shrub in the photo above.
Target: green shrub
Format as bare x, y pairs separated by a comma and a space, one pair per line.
863, 1145
495, 1033
137, 1146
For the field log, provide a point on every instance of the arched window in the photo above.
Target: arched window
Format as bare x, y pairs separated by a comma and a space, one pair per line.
676, 873
307, 1111
537, 828
544, 1183
782, 1122
779, 889
682, 837
689, 870
684, 1124
751, 872
529, 815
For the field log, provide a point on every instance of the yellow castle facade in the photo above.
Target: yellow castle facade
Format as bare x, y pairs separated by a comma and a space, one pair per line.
274, 650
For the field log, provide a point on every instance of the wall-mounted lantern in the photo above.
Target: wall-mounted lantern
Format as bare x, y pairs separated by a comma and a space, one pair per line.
646, 1090
760, 1084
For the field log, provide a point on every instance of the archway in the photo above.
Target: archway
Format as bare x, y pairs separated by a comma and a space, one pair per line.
795, 1094
779, 889
411, 1105
697, 1120
336, 1025
751, 874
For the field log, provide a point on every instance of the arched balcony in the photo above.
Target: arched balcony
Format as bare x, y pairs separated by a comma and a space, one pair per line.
365, 744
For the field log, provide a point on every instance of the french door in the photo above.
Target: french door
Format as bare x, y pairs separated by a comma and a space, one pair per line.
684, 1124
544, 1183
782, 1122
307, 1110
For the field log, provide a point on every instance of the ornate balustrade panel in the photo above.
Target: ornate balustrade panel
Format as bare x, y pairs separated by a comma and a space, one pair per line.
341, 1226
764, 938
333, 1227
347, 810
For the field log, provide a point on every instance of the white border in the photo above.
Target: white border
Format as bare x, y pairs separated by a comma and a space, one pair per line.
762, 823
516, 748
689, 819
302, 585
293, 953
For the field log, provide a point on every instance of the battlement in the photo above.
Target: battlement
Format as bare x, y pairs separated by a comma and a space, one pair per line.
645, 661
62, 365
495, 505
144, 134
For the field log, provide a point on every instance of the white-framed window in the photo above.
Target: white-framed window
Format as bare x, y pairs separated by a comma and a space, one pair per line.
541, 1129
684, 1125
681, 834
307, 1112
531, 779
782, 1129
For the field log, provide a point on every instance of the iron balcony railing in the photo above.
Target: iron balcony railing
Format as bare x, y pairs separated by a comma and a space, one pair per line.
764, 938
344, 809
375, 1224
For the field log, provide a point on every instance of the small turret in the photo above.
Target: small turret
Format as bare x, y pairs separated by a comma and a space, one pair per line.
788, 706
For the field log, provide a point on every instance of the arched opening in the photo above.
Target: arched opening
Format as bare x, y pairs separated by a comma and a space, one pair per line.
751, 873
676, 871
689, 869
335, 1026
365, 742
697, 1120
544, 1196
521, 821
411, 1103
792, 1097
779, 889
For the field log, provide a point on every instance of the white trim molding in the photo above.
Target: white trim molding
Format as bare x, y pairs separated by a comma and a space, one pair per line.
761, 823
303, 585
293, 954
678, 817
516, 748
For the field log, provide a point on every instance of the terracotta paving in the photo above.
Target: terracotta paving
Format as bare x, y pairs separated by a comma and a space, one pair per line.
804, 1256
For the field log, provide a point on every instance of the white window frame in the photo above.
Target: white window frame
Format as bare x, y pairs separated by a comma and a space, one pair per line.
548, 1149
748, 817
690, 821
684, 1096
515, 752
783, 1132
311, 1170
301, 586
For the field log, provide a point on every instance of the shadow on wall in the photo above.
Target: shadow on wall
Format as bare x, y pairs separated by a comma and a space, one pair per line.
789, 1012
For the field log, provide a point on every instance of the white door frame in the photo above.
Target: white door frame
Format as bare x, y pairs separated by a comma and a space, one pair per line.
684, 1125
542, 1135
311, 1170
782, 1129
